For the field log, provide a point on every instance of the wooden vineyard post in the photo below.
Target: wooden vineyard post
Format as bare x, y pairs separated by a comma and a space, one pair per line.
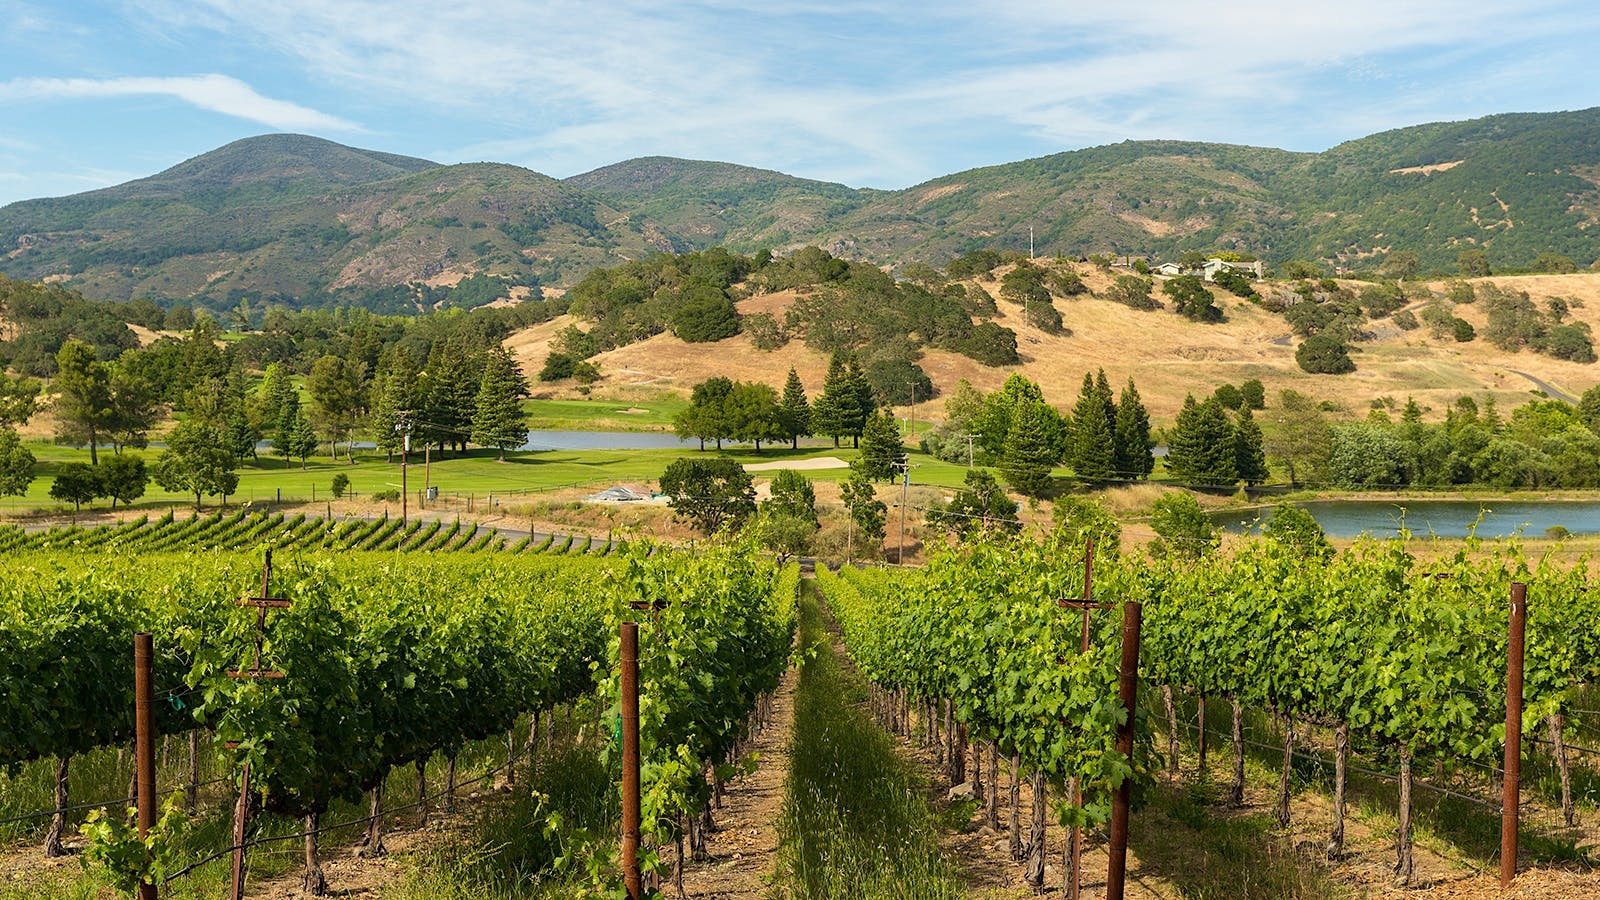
144, 746
241, 813
1511, 799
629, 659
1117, 869
1074, 849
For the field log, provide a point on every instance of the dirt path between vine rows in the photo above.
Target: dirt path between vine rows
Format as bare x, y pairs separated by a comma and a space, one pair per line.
744, 847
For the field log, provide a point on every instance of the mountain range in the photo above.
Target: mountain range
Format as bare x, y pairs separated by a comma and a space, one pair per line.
305, 221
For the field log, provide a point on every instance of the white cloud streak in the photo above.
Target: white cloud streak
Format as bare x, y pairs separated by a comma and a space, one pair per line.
891, 91
214, 93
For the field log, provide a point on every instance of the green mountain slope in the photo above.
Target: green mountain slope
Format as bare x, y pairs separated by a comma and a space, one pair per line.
299, 219
290, 218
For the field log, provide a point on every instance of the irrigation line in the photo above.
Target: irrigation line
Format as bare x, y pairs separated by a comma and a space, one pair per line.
1578, 747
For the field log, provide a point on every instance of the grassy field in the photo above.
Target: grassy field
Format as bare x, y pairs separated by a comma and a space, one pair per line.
604, 415
478, 473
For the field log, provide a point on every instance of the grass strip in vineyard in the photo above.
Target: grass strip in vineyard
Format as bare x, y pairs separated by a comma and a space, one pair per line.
854, 824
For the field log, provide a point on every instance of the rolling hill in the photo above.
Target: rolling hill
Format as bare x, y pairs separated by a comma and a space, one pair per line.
305, 221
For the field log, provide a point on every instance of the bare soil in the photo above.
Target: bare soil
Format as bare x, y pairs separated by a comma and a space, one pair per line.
744, 847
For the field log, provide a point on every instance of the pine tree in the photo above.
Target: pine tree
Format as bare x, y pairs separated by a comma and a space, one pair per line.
828, 414
1132, 456
882, 450
1249, 459
1030, 450
301, 440
794, 412
448, 395
858, 409
1093, 452
278, 394
1200, 450
497, 419
283, 437
394, 392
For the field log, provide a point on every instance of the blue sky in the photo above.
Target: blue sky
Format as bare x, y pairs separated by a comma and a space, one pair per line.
875, 93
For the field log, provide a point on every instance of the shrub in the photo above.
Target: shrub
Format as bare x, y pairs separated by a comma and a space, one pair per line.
340, 485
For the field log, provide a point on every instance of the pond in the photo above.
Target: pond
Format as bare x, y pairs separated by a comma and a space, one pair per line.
1445, 518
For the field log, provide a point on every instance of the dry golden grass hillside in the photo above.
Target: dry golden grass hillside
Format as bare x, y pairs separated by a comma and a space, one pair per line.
1166, 355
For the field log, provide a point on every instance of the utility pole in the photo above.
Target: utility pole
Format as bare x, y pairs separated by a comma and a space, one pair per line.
1030, 242
905, 490
404, 427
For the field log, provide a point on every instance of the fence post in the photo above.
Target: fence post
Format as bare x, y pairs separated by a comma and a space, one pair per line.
630, 761
144, 746
1511, 800
1117, 868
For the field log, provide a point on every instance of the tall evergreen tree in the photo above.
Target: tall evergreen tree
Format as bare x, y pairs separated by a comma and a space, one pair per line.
1030, 450
338, 397
1132, 457
1200, 450
828, 415
1249, 459
277, 395
882, 450
1093, 451
498, 420
394, 391
861, 403
794, 411
296, 438
83, 396
449, 391
134, 410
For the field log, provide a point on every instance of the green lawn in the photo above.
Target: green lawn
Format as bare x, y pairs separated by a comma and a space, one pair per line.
478, 473
603, 415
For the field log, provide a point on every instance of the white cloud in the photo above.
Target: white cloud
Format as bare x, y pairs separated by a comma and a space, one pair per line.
216, 93
895, 91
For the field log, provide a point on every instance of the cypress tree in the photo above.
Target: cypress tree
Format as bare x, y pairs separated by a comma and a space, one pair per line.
1249, 459
1093, 448
1132, 457
794, 412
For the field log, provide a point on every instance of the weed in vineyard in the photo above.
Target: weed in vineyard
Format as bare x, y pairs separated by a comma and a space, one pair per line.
852, 824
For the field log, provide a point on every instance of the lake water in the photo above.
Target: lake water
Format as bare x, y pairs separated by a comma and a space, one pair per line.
1445, 518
